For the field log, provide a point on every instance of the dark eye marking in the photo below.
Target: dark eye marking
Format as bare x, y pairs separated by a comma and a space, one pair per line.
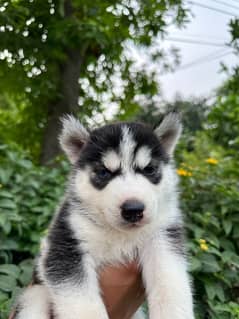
102, 176
103, 173
151, 171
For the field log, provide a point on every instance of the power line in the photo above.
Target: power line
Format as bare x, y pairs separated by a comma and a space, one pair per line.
211, 8
203, 37
183, 40
208, 58
226, 4
201, 61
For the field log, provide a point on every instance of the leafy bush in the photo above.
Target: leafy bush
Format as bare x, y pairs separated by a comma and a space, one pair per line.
224, 122
210, 201
28, 195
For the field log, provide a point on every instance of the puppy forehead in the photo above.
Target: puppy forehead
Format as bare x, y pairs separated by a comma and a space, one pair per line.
127, 146
120, 142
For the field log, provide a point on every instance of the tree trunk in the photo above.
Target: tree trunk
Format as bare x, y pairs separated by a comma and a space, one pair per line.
65, 104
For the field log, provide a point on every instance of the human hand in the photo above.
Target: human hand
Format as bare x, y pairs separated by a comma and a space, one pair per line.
122, 290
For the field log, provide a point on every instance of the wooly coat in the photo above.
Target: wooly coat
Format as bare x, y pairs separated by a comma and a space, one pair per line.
120, 205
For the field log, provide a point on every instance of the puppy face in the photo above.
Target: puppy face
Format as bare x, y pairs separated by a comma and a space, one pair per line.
122, 172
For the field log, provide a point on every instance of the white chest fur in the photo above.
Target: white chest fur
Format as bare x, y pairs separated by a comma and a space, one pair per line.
107, 245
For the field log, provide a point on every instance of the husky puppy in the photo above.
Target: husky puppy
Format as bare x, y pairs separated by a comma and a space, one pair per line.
121, 205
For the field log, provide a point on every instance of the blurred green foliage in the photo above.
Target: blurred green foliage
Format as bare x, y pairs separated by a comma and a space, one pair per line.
210, 202
28, 197
224, 122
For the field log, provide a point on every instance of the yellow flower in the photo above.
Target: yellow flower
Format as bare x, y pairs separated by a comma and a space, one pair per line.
203, 244
204, 247
212, 161
183, 172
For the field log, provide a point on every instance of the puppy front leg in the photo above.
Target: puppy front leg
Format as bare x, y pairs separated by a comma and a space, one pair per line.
85, 304
166, 280
79, 297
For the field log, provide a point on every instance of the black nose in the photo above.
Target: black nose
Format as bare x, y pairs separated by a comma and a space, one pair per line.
132, 210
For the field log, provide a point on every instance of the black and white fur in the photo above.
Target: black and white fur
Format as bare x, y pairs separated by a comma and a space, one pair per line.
112, 165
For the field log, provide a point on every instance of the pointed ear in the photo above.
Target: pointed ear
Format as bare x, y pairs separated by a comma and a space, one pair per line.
169, 131
72, 137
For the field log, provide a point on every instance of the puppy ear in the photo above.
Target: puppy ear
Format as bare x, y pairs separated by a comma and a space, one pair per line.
169, 131
72, 137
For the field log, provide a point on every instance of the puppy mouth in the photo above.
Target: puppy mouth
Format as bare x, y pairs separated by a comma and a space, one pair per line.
132, 225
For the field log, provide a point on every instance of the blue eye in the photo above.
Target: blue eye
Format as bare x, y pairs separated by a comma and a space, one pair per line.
103, 173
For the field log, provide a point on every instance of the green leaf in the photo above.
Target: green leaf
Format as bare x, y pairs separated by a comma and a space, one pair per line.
7, 203
7, 283
210, 263
227, 245
227, 256
3, 297
210, 290
195, 264
213, 240
25, 163
222, 308
26, 271
220, 292
5, 175
6, 194
10, 269
235, 260
6, 225
9, 244
227, 226
236, 231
